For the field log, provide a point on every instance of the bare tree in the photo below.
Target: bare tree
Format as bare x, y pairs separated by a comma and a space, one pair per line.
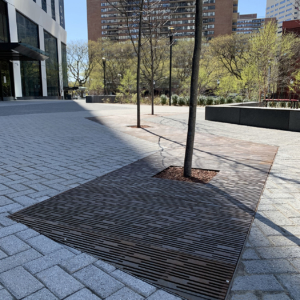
194, 88
81, 60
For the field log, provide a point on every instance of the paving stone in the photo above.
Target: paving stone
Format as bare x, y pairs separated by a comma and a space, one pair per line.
24, 200
5, 221
43, 294
12, 245
78, 262
11, 229
292, 284
5, 295
268, 266
285, 241
247, 296
47, 261
256, 282
162, 295
19, 282
276, 297
104, 266
43, 244
257, 238
18, 259
278, 252
101, 283
27, 234
84, 294
5, 201
125, 294
250, 254
77, 252
137, 285
2, 254
60, 283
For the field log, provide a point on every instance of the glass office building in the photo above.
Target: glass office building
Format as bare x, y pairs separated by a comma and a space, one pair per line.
32, 49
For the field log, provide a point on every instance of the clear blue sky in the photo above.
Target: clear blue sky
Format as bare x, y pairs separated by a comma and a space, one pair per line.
76, 20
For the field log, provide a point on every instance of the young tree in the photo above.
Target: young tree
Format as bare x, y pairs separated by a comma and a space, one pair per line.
194, 88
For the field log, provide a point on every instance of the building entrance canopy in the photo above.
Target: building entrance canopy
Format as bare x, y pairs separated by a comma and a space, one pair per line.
22, 52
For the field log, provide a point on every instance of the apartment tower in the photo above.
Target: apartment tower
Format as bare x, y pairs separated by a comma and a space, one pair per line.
249, 23
219, 18
282, 10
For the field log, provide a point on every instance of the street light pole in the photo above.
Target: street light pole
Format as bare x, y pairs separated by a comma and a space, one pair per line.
170, 79
104, 65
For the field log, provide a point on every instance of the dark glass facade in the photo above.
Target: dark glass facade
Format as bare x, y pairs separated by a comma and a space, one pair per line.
52, 68
64, 64
3, 23
53, 9
62, 13
5, 66
44, 5
30, 70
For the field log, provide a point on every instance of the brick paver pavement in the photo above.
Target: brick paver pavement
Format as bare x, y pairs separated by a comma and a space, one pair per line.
47, 151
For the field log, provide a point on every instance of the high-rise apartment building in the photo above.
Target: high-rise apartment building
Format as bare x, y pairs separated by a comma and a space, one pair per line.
249, 23
282, 10
32, 49
219, 18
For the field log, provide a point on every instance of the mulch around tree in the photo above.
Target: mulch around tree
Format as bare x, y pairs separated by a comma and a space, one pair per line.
198, 175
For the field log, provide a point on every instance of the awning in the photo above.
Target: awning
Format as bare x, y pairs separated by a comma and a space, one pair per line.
21, 51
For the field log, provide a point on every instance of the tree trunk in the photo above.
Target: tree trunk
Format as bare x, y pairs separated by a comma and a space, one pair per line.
139, 67
193, 94
152, 75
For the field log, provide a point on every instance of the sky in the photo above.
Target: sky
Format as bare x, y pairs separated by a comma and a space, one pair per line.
76, 19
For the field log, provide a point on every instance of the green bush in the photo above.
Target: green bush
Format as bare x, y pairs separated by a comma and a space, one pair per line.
202, 100
283, 104
210, 101
181, 101
175, 99
229, 100
217, 101
187, 100
238, 99
163, 99
222, 100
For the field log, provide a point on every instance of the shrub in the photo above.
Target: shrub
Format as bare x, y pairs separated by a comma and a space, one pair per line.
134, 98
175, 99
217, 101
238, 99
202, 100
210, 101
181, 101
157, 101
283, 104
163, 99
187, 100
222, 100
229, 100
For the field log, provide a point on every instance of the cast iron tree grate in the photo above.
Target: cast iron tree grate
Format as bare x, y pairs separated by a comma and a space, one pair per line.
183, 237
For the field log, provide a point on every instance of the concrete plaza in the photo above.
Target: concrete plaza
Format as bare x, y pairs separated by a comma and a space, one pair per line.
48, 147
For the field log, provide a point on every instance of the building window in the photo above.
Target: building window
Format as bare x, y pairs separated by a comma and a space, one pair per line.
52, 68
62, 13
53, 9
28, 33
44, 5
64, 65
3, 22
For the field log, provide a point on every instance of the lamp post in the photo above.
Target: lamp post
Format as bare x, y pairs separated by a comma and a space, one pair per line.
104, 65
170, 79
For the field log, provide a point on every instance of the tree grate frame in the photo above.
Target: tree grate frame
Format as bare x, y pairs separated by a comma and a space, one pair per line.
183, 237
